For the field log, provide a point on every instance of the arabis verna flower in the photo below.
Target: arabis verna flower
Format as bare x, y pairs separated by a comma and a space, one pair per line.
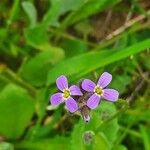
66, 94
99, 90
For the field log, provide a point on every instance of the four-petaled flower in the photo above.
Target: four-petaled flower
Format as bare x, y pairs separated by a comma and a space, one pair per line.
99, 90
58, 98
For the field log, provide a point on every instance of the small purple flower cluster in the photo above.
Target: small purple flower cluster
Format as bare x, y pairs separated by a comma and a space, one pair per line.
85, 97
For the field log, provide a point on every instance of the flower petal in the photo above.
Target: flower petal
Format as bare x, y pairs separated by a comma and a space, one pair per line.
56, 99
88, 85
104, 79
93, 101
86, 118
111, 94
62, 82
71, 104
75, 90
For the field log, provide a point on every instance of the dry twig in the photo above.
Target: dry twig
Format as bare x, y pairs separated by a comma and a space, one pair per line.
126, 25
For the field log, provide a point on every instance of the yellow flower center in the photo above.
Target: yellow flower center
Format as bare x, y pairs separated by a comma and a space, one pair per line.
98, 90
66, 94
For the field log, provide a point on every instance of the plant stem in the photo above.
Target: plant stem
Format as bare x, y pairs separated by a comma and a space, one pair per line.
132, 132
9, 75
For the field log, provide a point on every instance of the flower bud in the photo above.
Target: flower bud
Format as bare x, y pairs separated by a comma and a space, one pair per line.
88, 137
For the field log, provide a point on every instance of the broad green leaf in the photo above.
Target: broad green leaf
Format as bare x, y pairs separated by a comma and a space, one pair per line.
105, 111
110, 128
100, 142
120, 147
35, 70
76, 140
58, 8
16, 110
57, 143
31, 12
104, 133
85, 63
37, 36
6, 146
74, 47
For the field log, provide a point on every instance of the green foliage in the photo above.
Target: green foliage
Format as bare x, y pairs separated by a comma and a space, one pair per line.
74, 47
31, 12
35, 69
58, 8
93, 60
85, 10
33, 37
100, 142
6, 146
16, 111
40, 40
45, 144
104, 134
110, 128
145, 137
75, 141
121, 147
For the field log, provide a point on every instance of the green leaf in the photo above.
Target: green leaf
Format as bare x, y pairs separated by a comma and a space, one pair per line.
104, 137
76, 137
6, 146
57, 143
110, 128
58, 8
14, 13
145, 137
35, 70
89, 8
37, 36
85, 63
74, 47
100, 142
16, 111
31, 12
120, 147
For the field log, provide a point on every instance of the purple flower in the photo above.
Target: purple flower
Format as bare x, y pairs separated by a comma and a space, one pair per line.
65, 95
99, 90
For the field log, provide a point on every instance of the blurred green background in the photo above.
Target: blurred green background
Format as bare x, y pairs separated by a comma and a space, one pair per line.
42, 39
